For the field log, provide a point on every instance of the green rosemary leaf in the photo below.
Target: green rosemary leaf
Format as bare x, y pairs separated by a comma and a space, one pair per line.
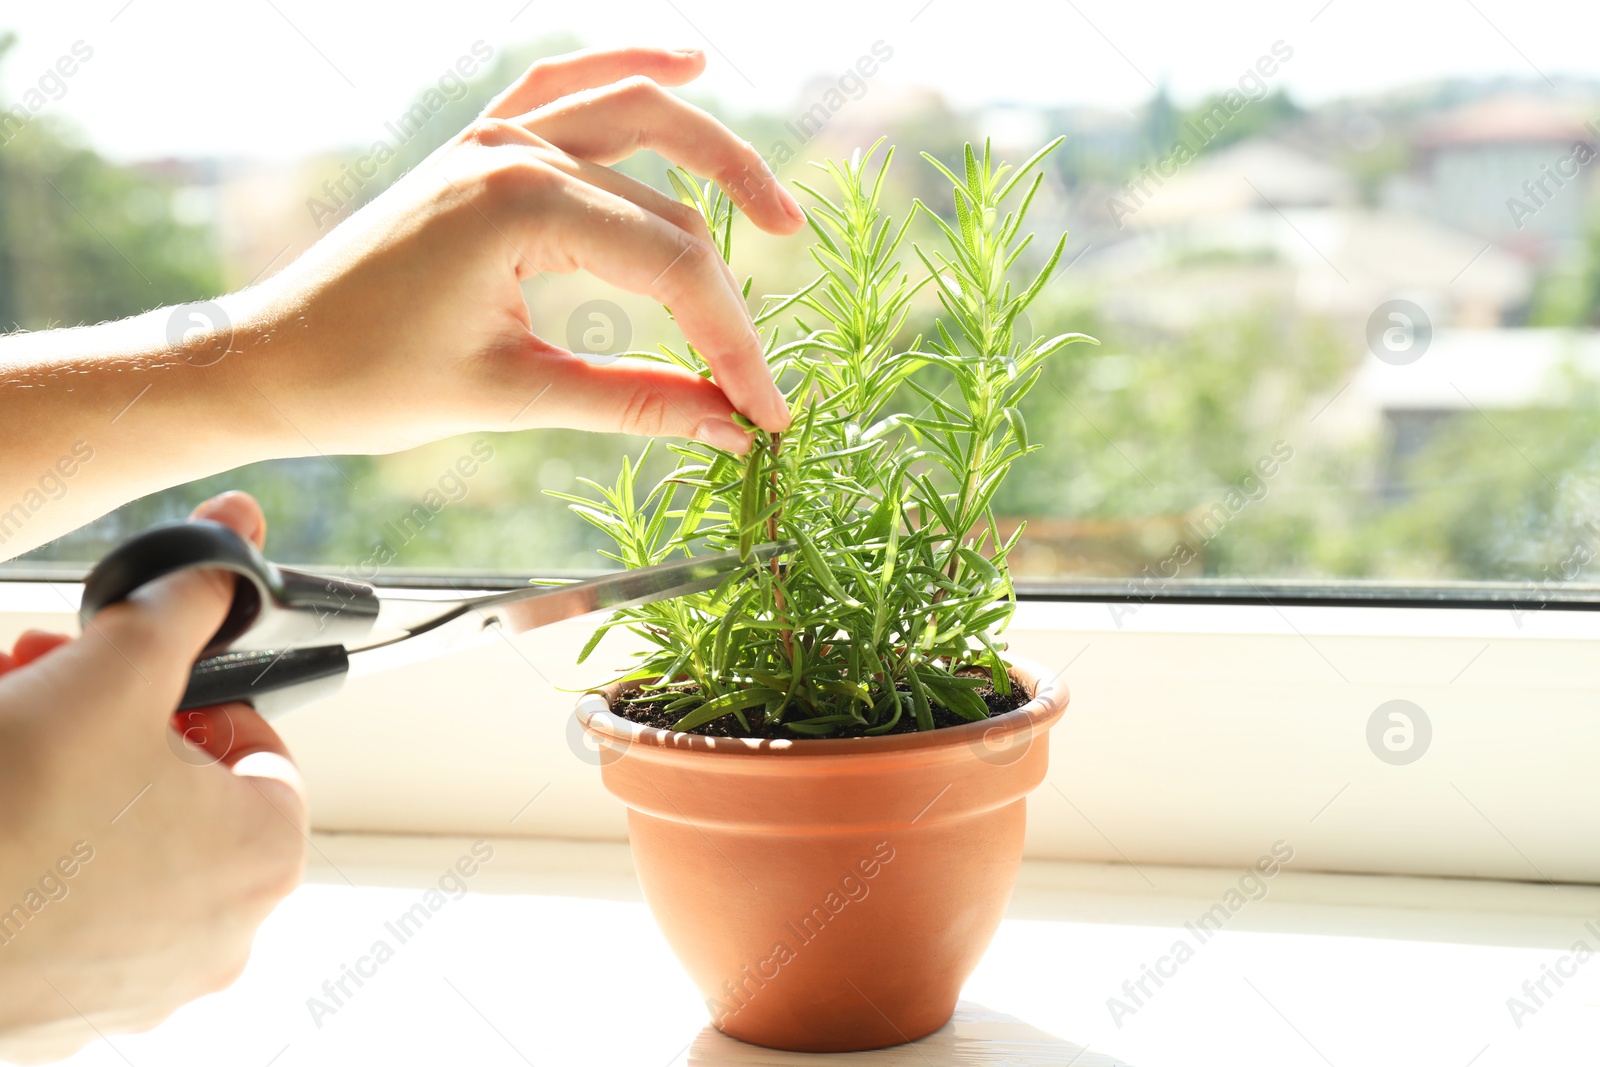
725, 704
919, 700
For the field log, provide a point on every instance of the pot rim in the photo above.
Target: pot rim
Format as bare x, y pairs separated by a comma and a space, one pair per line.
1048, 703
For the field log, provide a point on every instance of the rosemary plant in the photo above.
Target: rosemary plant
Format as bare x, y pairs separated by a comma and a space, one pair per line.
899, 582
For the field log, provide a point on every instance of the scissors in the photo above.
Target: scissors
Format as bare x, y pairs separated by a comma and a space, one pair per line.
292, 637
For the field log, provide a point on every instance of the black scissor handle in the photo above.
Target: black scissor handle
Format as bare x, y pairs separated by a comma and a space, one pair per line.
273, 607
271, 681
283, 641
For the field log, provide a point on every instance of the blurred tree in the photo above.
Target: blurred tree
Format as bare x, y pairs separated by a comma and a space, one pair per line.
1163, 124
1161, 120
83, 240
1497, 495
1144, 437
1266, 115
506, 67
1154, 424
1569, 294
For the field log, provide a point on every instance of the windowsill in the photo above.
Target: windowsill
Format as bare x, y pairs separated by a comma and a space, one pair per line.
553, 958
1196, 735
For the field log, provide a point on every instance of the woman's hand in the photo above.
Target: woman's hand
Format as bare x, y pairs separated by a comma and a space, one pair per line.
407, 323
139, 851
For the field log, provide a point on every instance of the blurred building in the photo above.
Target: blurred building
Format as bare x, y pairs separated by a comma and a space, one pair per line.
1464, 374
1515, 169
1262, 225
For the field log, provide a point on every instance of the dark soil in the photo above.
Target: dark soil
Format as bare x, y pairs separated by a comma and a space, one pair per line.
650, 714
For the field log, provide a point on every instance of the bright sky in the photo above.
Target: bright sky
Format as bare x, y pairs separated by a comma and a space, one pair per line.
280, 78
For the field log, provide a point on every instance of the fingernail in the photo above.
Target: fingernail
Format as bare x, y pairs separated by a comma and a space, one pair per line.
781, 408
790, 204
214, 504
687, 51
723, 434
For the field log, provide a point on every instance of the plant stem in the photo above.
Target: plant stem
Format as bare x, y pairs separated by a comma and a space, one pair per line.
779, 601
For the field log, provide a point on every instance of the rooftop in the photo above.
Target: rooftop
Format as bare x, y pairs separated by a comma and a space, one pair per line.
1509, 118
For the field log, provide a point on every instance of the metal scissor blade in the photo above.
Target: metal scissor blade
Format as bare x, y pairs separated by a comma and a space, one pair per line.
422, 629
525, 610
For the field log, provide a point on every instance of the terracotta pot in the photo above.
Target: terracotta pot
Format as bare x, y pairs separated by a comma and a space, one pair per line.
829, 895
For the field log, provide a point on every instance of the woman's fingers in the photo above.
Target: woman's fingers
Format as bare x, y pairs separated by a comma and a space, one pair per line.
234, 736
550, 79
630, 396
228, 733
653, 200
612, 122
35, 643
161, 629
502, 133
239, 511
155, 635
589, 110
635, 249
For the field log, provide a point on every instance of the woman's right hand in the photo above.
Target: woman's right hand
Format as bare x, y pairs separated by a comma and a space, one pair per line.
135, 865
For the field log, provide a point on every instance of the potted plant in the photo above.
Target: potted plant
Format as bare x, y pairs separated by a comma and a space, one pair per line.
825, 760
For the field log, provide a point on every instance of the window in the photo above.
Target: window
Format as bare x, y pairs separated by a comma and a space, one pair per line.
1345, 284
1344, 263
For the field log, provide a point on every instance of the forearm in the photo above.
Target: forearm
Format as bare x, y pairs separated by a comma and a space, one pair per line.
94, 417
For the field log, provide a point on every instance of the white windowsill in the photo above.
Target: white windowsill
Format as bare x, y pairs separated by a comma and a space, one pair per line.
1197, 735
551, 957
